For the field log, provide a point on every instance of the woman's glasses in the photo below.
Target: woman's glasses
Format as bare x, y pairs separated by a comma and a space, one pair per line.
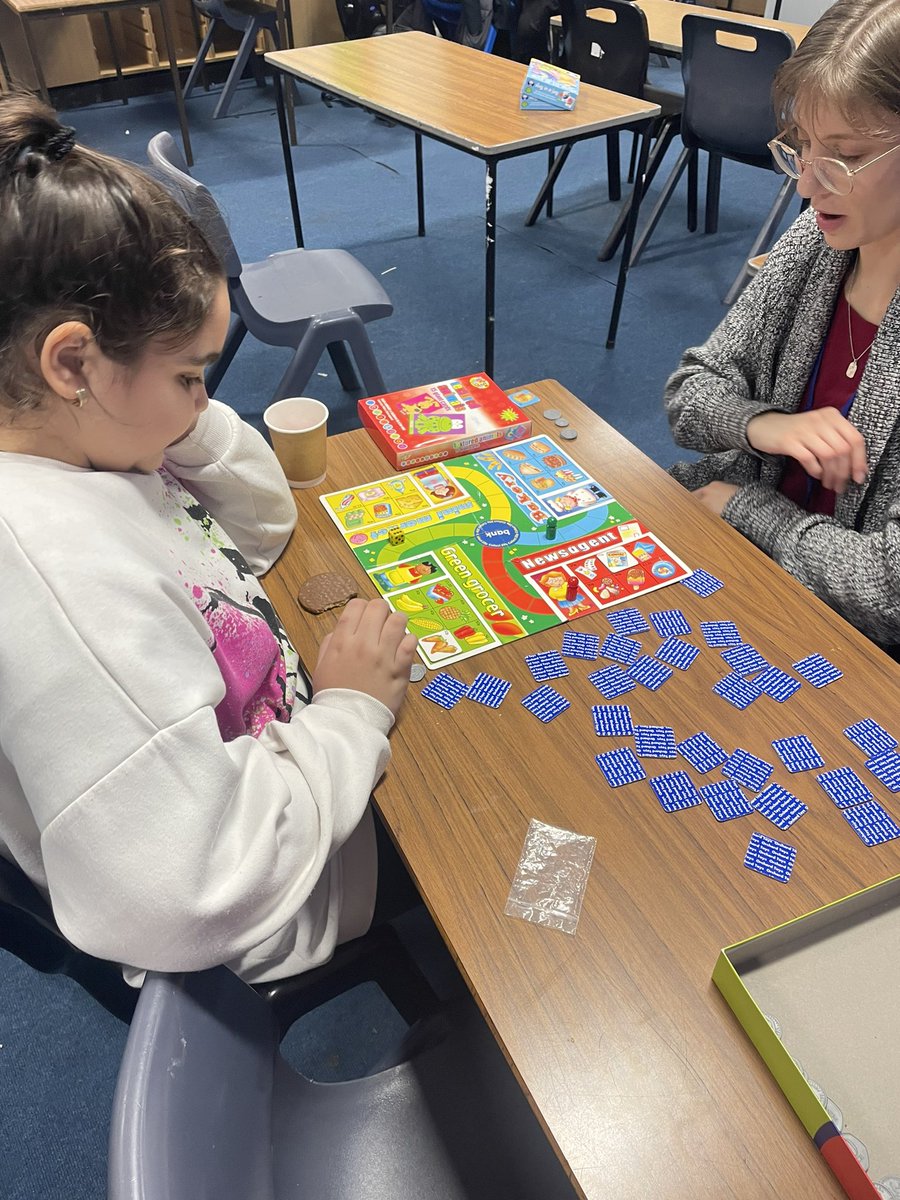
832, 173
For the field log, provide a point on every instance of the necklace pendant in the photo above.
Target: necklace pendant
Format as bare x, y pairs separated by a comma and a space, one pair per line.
851, 369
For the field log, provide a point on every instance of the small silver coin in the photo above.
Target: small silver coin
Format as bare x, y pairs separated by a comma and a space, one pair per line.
562, 423
416, 672
552, 413
569, 434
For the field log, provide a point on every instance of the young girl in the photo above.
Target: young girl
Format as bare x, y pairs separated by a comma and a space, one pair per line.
159, 779
795, 398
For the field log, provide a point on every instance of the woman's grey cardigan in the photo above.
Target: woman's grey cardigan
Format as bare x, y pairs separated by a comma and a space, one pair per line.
760, 358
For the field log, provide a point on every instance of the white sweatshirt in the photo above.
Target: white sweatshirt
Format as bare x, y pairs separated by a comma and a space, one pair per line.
157, 780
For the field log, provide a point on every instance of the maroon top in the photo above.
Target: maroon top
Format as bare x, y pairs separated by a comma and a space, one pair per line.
830, 388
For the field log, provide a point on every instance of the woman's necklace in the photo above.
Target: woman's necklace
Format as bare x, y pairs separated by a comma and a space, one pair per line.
853, 365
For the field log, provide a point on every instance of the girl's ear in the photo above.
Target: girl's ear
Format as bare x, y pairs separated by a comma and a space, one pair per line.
63, 355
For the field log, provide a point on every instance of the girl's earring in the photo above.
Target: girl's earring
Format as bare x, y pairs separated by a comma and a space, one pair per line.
81, 397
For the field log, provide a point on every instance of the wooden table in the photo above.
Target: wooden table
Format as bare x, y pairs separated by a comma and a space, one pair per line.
40, 10
463, 98
664, 19
641, 1076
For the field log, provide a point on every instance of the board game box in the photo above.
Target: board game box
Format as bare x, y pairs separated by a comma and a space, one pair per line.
815, 996
547, 87
491, 547
442, 420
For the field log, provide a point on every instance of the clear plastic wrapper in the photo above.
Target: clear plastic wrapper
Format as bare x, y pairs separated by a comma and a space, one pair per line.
549, 883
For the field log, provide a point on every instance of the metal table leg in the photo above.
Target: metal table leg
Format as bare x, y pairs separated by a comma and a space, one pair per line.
35, 60
490, 259
630, 226
286, 151
114, 51
420, 185
176, 83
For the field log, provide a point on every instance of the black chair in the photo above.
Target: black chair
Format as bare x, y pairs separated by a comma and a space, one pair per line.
728, 69
206, 1108
28, 930
614, 54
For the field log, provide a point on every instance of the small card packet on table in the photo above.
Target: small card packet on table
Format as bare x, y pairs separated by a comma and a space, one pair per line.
548, 87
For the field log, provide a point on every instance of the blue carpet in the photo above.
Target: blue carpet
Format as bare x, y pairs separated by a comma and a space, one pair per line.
59, 1052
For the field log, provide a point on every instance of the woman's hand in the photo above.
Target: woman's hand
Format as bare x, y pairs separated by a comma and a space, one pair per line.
822, 441
716, 495
368, 651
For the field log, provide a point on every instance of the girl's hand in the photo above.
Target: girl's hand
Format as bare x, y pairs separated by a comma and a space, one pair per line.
368, 651
716, 495
822, 441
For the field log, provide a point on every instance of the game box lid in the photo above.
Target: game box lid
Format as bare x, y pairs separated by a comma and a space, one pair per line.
442, 420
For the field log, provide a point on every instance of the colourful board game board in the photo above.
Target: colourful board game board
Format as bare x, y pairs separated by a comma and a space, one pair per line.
488, 548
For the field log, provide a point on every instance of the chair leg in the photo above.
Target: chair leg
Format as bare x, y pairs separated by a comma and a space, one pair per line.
664, 139
764, 237
321, 333
200, 59
366, 363
343, 364
632, 162
216, 372
613, 165
693, 189
658, 207
248, 41
713, 188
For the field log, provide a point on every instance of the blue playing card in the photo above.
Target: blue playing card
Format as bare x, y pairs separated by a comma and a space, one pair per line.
872, 823
844, 787
701, 583
744, 767
548, 665
779, 806
676, 653
489, 690
798, 753
702, 752
817, 670
669, 622
654, 741
580, 645
870, 737
622, 649
675, 791
611, 681
886, 768
777, 684
444, 690
744, 659
620, 767
612, 720
737, 691
725, 800
650, 672
720, 633
769, 857
546, 703
627, 620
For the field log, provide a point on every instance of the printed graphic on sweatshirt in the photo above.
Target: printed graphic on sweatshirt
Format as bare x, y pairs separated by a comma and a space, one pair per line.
247, 640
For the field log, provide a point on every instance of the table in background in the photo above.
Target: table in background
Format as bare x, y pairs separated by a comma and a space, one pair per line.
39, 10
664, 19
463, 98
639, 1072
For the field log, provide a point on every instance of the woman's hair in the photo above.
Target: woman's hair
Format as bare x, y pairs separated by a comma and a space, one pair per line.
850, 59
90, 238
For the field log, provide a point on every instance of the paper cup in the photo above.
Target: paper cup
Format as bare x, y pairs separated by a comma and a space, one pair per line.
298, 427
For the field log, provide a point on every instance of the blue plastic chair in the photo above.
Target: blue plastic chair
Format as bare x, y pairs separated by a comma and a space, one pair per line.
206, 1108
310, 300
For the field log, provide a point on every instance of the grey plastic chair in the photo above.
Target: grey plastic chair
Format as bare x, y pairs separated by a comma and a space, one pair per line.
312, 300
206, 1108
245, 16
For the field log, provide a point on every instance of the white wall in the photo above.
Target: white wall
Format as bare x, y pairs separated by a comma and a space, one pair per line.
803, 12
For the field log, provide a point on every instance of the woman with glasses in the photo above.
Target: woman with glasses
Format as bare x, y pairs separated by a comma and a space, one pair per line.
795, 399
